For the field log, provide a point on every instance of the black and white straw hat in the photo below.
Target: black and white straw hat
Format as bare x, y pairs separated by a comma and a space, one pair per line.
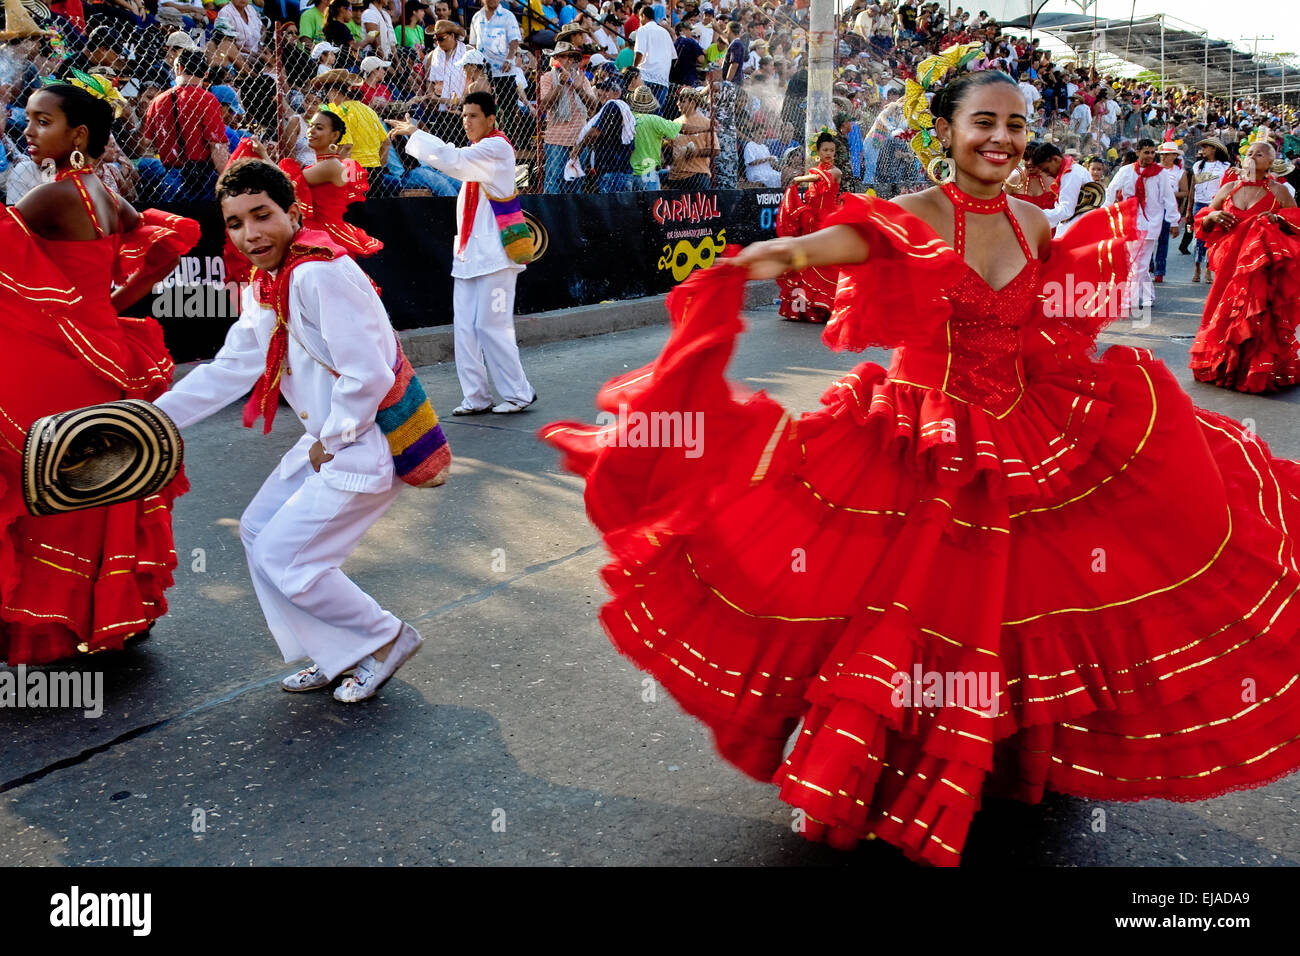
99, 455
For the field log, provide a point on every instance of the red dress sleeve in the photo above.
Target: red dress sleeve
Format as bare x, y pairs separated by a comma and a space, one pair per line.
896, 296
1084, 275
147, 253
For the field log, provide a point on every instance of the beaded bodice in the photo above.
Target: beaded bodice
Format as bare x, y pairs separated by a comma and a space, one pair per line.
976, 356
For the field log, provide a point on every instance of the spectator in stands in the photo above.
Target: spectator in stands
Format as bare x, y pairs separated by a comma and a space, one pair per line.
231, 112
446, 77
696, 145
733, 64
760, 164
411, 34
650, 134
185, 127
312, 22
495, 33
566, 96
365, 131
223, 51
243, 18
688, 68
338, 33
654, 53
377, 25
609, 134
373, 91
606, 32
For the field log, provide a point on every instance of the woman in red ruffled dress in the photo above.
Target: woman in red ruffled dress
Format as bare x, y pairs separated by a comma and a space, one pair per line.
325, 190
808, 295
1247, 339
81, 582
1001, 567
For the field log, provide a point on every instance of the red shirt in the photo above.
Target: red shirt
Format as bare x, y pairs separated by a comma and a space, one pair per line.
197, 114
631, 25
380, 91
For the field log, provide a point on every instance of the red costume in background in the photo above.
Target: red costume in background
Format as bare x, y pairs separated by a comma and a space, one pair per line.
808, 295
1247, 339
85, 581
323, 206
1113, 561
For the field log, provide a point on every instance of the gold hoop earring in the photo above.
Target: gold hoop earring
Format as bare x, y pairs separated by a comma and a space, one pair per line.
334, 147
77, 159
947, 176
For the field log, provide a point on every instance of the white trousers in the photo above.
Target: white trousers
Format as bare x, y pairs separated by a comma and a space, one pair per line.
296, 533
1141, 287
484, 326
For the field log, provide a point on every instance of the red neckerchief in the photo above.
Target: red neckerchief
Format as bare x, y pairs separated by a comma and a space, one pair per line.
471, 201
1143, 174
273, 291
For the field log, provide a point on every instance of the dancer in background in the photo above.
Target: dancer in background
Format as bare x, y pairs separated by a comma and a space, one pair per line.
86, 581
1144, 180
1207, 173
1104, 564
807, 296
1247, 339
492, 245
1171, 158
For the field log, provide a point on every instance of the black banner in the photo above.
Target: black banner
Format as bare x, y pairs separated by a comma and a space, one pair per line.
593, 249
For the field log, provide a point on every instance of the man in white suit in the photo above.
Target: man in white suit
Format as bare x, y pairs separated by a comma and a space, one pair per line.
1159, 205
331, 354
1069, 176
483, 299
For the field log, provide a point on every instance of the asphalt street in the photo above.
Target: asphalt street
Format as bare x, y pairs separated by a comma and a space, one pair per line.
518, 735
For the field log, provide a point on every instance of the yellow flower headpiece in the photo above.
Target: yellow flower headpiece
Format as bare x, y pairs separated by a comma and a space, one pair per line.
915, 108
812, 143
100, 87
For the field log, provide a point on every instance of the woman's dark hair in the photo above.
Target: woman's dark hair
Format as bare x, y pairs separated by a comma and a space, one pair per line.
825, 138
82, 109
256, 176
335, 121
484, 101
947, 100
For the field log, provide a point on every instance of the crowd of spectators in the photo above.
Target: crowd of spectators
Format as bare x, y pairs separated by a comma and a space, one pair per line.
595, 95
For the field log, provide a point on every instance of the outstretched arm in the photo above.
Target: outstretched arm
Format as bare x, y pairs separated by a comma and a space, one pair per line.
834, 245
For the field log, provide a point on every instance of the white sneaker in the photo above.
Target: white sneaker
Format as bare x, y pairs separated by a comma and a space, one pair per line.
511, 406
309, 678
372, 674
463, 409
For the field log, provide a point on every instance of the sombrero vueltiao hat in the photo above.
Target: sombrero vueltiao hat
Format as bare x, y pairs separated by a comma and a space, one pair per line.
99, 455
1091, 196
336, 78
19, 22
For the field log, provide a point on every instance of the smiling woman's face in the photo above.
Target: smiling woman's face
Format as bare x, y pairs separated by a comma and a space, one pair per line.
988, 132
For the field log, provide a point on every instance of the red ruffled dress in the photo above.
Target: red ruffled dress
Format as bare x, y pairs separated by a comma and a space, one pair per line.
1113, 563
808, 295
1247, 339
85, 581
324, 205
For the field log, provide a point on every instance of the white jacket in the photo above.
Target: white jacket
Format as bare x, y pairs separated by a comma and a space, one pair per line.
1068, 199
491, 162
1161, 205
335, 318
